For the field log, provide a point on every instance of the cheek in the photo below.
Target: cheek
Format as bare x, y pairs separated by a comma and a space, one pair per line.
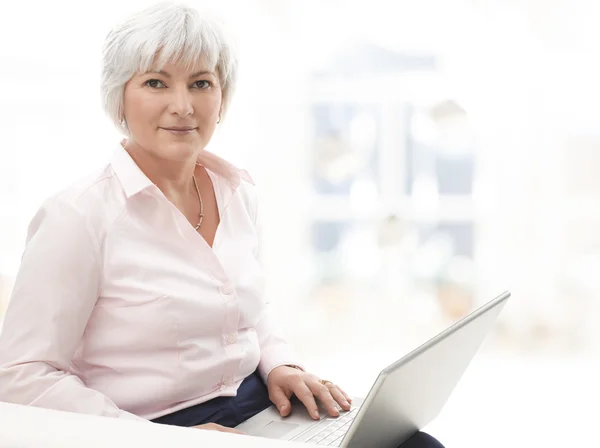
145, 108
140, 108
208, 108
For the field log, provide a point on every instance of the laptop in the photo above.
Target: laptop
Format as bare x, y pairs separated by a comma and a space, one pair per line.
405, 397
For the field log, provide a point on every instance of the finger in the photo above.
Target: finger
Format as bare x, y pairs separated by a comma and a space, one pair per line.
281, 400
339, 396
324, 395
306, 396
346, 396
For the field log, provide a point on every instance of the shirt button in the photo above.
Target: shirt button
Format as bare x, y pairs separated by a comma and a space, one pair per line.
231, 338
227, 289
228, 381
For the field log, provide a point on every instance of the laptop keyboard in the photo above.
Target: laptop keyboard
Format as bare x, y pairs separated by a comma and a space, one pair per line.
329, 431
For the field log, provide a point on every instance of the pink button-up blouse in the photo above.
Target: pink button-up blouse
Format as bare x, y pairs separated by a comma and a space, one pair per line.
120, 308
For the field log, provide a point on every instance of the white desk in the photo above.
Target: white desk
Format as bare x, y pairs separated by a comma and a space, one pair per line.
25, 426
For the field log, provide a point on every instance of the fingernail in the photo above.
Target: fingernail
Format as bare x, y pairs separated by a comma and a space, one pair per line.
316, 414
346, 403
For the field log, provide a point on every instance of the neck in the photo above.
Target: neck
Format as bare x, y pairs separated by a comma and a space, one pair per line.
172, 177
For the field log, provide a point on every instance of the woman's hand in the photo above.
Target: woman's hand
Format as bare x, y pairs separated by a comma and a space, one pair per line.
283, 381
215, 427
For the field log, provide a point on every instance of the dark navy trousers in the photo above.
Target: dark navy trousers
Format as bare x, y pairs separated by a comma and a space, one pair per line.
252, 397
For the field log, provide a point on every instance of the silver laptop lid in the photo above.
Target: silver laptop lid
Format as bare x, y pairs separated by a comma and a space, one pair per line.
410, 393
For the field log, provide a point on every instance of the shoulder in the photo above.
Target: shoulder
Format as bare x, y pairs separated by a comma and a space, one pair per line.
87, 187
91, 200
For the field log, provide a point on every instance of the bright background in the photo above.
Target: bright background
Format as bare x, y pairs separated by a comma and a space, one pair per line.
415, 159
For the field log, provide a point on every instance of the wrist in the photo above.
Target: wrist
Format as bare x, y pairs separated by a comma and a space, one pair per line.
288, 366
293, 366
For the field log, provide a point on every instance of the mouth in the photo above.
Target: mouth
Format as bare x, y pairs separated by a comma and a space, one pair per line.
180, 130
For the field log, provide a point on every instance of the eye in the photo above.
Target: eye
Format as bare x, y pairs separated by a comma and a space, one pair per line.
203, 84
152, 83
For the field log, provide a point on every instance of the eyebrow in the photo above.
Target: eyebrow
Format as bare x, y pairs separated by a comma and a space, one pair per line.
193, 75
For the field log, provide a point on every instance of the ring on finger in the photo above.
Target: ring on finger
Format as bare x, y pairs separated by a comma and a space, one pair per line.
326, 383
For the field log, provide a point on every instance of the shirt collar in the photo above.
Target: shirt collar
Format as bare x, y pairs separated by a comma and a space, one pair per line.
134, 180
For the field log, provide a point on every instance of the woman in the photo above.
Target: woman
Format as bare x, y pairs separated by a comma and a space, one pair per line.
140, 291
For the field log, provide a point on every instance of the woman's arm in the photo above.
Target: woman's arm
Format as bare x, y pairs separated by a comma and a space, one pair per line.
54, 294
275, 351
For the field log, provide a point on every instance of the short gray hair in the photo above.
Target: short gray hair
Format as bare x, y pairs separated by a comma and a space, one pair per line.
175, 32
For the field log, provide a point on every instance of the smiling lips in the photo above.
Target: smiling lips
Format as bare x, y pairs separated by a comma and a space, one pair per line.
180, 129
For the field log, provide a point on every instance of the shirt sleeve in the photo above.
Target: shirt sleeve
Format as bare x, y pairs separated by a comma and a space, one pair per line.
53, 297
275, 350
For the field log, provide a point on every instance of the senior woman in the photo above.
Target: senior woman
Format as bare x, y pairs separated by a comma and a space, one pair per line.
140, 292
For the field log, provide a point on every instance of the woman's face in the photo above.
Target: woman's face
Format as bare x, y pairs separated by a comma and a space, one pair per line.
173, 113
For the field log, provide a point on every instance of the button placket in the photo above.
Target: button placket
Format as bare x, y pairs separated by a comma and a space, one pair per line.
233, 351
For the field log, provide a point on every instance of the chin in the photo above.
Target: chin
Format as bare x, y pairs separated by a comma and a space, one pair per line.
179, 150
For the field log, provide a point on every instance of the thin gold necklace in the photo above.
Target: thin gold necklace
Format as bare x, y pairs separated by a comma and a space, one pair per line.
201, 203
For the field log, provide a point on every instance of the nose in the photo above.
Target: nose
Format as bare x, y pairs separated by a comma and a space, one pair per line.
181, 102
